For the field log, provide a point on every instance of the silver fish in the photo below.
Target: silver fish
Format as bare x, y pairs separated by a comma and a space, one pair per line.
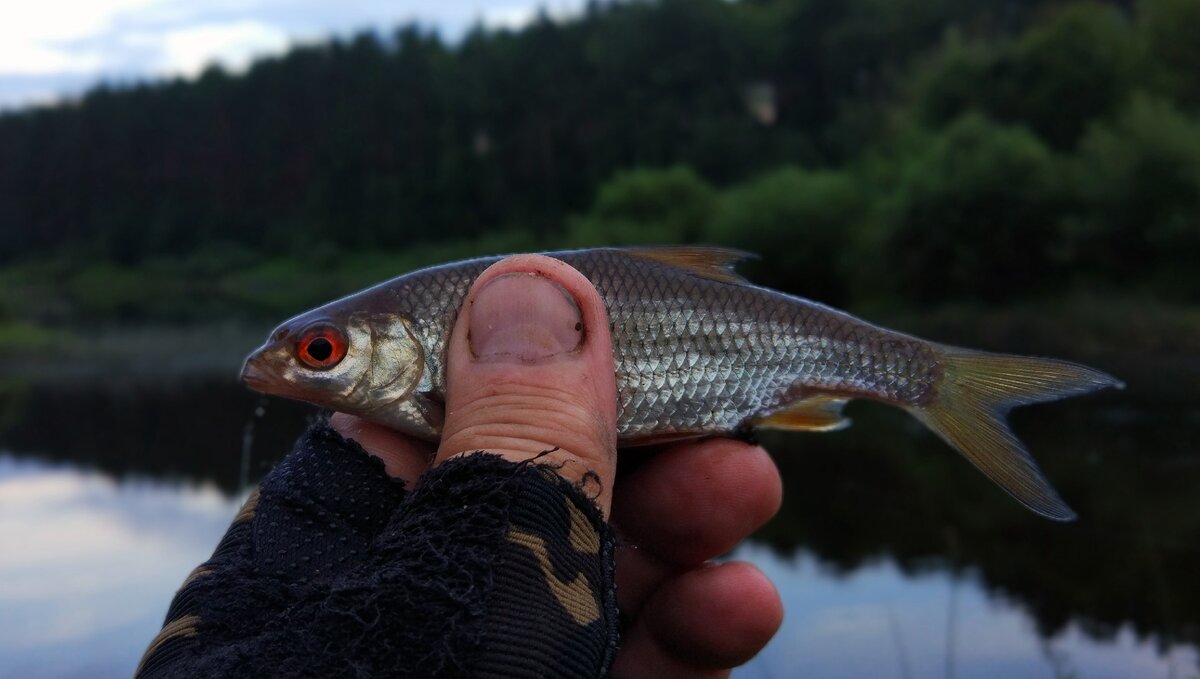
699, 350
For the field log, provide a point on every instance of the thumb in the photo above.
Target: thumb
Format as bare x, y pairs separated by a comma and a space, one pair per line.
529, 368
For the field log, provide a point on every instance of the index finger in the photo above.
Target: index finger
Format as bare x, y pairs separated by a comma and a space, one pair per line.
697, 500
403, 457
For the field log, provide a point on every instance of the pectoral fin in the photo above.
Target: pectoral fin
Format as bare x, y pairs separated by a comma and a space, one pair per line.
822, 412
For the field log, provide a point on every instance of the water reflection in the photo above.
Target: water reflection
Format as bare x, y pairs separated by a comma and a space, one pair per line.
88, 564
894, 557
879, 621
183, 430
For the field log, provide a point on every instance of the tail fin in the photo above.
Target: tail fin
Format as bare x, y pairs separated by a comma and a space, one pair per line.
973, 399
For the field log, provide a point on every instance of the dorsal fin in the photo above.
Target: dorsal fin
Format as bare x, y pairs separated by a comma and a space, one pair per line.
705, 261
819, 412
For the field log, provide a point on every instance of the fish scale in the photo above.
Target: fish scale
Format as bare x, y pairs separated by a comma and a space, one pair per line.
747, 354
697, 351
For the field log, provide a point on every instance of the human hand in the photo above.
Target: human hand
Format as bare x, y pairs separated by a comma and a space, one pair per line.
529, 369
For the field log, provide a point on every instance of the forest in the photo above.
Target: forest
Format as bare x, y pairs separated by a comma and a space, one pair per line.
1014, 175
876, 153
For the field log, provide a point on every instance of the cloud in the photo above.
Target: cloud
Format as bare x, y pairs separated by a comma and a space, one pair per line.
41, 38
56, 47
188, 51
509, 17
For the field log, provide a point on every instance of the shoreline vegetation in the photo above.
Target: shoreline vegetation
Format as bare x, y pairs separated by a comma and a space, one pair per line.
197, 316
168, 322
967, 155
1016, 178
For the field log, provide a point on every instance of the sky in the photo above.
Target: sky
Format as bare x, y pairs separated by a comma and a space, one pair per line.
55, 48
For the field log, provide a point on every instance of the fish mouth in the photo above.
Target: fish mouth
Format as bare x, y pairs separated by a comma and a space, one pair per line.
255, 376
262, 373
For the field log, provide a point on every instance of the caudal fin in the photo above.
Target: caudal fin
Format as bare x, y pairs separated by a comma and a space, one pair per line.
970, 413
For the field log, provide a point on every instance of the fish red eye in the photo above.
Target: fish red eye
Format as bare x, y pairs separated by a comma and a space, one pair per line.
321, 346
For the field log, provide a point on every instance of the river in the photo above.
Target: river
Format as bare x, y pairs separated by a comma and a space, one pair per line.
894, 557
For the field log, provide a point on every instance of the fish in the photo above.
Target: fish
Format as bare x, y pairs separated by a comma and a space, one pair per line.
699, 351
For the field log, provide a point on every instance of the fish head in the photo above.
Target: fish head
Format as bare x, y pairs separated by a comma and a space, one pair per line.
358, 362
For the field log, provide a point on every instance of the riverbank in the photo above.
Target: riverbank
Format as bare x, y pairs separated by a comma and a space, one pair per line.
1128, 335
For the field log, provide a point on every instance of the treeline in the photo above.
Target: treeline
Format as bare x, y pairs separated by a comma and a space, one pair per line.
977, 211
934, 149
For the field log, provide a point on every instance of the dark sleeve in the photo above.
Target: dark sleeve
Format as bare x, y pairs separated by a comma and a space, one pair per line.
486, 568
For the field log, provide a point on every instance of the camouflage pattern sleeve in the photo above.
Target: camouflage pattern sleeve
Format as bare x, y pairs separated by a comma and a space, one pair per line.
484, 568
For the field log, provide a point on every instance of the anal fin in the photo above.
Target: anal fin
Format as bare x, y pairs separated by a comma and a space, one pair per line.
822, 412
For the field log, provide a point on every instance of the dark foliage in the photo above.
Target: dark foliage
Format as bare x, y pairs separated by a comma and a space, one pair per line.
917, 151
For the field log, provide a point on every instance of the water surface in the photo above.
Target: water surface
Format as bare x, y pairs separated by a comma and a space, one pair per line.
893, 556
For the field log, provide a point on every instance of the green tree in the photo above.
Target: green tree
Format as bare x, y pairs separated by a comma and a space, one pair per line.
974, 214
1170, 34
1137, 180
647, 206
1068, 70
801, 222
1077, 65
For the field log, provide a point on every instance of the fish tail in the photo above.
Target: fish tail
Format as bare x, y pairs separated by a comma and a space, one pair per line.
969, 411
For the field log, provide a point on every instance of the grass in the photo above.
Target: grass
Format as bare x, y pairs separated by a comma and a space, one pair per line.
23, 339
207, 287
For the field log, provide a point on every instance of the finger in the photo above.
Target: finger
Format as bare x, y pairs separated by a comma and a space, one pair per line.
530, 369
638, 574
403, 457
697, 500
641, 656
715, 616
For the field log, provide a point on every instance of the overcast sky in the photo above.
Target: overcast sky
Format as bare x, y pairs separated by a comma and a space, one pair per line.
50, 48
